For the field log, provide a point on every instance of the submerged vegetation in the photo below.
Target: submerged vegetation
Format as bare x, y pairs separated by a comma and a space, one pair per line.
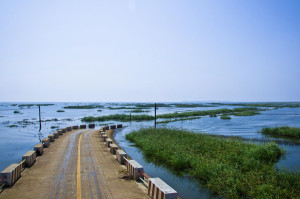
232, 168
190, 114
283, 131
83, 107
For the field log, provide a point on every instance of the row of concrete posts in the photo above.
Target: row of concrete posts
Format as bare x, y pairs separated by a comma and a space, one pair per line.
157, 188
13, 172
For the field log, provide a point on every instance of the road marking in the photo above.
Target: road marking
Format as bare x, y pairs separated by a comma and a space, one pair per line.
78, 170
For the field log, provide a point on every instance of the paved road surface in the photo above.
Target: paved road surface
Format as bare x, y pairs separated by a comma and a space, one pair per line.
56, 173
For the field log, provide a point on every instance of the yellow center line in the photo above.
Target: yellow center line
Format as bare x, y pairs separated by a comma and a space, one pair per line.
78, 170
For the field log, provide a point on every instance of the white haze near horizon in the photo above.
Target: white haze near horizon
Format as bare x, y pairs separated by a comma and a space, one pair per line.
149, 51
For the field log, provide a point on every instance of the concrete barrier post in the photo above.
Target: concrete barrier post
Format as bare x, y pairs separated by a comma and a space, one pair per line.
159, 189
39, 149
51, 137
133, 168
106, 128
83, 126
56, 135
12, 174
75, 127
30, 158
104, 137
113, 148
102, 133
91, 126
119, 126
60, 132
108, 142
46, 142
112, 126
120, 155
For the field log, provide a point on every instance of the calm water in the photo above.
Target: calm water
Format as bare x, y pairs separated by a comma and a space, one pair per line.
17, 140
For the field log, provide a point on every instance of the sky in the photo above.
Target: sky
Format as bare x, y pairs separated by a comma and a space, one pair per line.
149, 50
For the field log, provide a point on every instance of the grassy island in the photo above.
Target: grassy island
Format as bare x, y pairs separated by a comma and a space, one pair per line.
283, 131
231, 168
190, 114
83, 107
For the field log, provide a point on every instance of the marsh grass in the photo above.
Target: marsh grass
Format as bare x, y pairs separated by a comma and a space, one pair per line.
29, 105
179, 105
188, 114
176, 120
225, 117
12, 126
138, 111
267, 104
83, 107
283, 131
207, 112
246, 113
231, 168
125, 107
118, 117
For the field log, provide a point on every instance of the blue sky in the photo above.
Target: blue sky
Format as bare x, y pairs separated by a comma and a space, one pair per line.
127, 50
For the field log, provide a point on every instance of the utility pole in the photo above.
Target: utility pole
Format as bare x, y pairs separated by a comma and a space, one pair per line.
130, 117
40, 117
155, 116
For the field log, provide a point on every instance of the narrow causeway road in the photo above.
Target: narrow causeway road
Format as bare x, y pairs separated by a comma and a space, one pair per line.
76, 165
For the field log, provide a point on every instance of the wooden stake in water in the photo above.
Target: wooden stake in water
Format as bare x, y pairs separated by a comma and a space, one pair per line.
155, 115
40, 117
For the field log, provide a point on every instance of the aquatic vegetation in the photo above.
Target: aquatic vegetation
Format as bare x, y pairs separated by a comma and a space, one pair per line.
138, 111
16, 112
29, 105
99, 110
283, 131
179, 105
83, 107
207, 112
152, 105
231, 168
190, 114
225, 117
12, 126
266, 104
246, 113
60, 111
125, 107
67, 119
118, 117
176, 120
